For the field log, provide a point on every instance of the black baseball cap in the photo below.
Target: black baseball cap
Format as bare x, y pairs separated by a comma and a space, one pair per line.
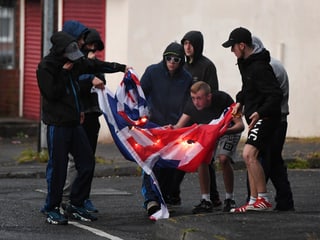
72, 52
238, 35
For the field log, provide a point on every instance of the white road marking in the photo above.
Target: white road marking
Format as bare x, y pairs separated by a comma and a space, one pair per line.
98, 191
95, 231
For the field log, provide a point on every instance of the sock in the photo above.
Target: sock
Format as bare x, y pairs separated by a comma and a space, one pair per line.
206, 197
230, 196
252, 200
264, 195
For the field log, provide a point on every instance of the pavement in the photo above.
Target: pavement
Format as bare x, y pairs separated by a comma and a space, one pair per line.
303, 223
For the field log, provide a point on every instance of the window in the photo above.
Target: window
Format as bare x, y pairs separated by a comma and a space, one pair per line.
6, 34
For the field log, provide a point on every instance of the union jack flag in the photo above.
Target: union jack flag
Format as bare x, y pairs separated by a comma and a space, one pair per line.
147, 144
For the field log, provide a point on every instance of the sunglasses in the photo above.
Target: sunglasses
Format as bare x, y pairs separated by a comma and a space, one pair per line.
174, 59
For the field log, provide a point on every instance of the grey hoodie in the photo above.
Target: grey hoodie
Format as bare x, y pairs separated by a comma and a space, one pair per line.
281, 75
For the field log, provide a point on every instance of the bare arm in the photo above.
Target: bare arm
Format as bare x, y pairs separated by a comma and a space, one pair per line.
184, 119
237, 127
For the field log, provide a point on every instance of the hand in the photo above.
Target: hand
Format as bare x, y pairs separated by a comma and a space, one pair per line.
68, 65
91, 55
82, 117
237, 111
254, 119
128, 68
98, 83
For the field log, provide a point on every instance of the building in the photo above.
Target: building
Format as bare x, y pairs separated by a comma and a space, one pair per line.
136, 32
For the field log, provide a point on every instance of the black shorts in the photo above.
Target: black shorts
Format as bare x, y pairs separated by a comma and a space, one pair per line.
261, 134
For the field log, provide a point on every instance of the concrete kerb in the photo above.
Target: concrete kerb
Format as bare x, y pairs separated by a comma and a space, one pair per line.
112, 168
113, 164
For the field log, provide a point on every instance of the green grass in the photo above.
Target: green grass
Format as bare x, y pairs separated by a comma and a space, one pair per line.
298, 164
29, 155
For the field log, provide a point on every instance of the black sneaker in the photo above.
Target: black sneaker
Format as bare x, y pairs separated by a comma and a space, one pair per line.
55, 217
79, 213
204, 207
284, 209
173, 201
89, 206
228, 205
216, 202
64, 205
152, 207
43, 211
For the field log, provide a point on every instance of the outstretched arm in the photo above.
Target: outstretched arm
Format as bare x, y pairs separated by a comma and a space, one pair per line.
237, 127
183, 121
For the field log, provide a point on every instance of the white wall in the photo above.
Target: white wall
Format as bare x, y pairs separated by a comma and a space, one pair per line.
138, 31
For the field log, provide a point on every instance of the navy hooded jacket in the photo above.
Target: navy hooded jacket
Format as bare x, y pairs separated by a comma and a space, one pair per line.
75, 29
166, 94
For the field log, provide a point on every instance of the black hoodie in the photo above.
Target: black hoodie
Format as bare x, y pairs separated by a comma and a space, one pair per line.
260, 91
93, 36
201, 68
90, 99
59, 87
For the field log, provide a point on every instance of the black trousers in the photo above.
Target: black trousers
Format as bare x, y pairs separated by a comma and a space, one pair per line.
275, 168
91, 126
62, 141
169, 180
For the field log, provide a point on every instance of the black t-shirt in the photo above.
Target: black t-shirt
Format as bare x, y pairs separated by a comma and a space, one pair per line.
220, 101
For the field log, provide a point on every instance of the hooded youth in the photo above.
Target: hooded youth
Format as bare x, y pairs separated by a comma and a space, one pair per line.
166, 94
59, 87
200, 67
90, 99
75, 29
255, 95
93, 36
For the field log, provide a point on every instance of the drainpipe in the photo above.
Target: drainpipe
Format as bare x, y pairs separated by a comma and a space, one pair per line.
21, 59
47, 31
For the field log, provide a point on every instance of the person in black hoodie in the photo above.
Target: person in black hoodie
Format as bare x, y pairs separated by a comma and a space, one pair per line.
260, 101
202, 69
91, 124
77, 30
57, 76
91, 108
89, 99
80, 32
274, 167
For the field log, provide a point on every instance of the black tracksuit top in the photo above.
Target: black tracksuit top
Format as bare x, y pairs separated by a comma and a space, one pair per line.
59, 88
260, 89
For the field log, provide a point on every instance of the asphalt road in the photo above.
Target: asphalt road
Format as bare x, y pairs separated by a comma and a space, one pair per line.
121, 214
122, 217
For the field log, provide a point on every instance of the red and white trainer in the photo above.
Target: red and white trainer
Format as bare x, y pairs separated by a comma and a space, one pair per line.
261, 204
242, 209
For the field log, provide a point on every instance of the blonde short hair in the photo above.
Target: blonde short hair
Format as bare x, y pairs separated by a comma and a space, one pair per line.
200, 85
